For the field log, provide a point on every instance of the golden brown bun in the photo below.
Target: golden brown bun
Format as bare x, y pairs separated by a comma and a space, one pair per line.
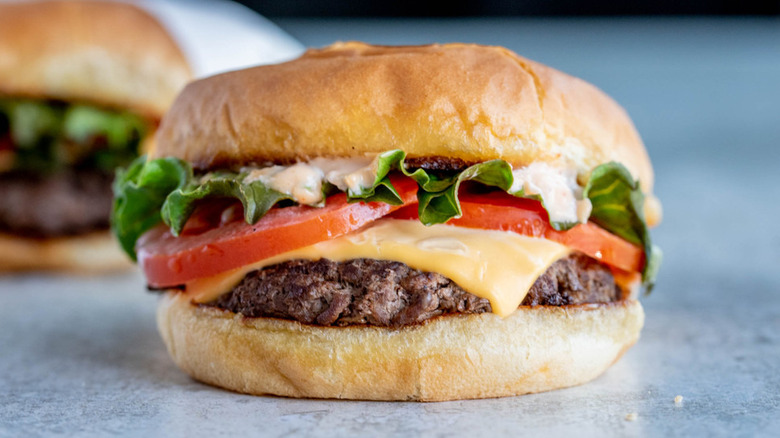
87, 254
457, 100
107, 53
457, 357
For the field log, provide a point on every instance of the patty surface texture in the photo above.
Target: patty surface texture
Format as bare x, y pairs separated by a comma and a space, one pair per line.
64, 203
391, 294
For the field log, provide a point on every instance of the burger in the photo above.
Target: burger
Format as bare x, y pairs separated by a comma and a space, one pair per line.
83, 86
394, 223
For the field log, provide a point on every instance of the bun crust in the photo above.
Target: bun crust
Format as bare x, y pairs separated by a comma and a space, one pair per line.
87, 254
463, 101
107, 53
456, 357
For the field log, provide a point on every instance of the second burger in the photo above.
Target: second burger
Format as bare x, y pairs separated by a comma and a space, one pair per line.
83, 86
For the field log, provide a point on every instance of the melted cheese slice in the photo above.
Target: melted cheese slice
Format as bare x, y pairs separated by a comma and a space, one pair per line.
500, 266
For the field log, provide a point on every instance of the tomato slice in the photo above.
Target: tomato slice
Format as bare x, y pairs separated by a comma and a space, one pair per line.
207, 247
213, 243
500, 211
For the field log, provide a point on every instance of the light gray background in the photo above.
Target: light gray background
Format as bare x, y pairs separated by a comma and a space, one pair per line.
81, 356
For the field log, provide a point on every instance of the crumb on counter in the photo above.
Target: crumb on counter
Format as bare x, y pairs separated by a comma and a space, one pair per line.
678, 400
632, 416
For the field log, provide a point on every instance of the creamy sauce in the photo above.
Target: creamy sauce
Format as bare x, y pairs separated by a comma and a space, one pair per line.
353, 174
303, 181
558, 189
300, 181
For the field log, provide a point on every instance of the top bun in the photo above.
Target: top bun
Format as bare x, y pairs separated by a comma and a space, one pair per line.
464, 101
108, 53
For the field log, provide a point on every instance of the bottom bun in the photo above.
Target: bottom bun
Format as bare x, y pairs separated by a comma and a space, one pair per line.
90, 253
448, 358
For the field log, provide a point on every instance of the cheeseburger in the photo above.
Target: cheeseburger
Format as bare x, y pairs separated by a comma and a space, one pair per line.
83, 85
394, 223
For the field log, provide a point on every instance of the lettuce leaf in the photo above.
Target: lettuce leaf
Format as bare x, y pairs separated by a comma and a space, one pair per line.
81, 123
618, 207
166, 190
30, 121
49, 135
139, 195
438, 200
437, 196
255, 197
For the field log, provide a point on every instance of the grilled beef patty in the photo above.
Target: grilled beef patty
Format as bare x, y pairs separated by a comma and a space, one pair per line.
436, 164
65, 203
391, 294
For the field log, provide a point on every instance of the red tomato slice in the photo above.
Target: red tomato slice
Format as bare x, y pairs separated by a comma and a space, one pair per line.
500, 211
204, 249
212, 242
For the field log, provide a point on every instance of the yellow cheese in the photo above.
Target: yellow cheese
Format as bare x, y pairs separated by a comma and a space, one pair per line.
497, 265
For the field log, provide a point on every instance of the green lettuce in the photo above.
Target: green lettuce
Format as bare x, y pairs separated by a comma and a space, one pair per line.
82, 123
49, 135
32, 127
31, 121
139, 194
146, 196
255, 197
618, 207
438, 195
166, 190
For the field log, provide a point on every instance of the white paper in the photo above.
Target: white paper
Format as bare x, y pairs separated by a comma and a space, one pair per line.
219, 36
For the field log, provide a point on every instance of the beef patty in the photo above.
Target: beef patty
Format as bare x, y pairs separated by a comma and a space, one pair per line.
65, 203
436, 164
391, 294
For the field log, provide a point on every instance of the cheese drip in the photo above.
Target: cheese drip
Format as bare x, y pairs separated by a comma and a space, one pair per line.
499, 266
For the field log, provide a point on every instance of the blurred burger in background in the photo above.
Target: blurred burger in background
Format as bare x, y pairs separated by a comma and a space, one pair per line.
83, 86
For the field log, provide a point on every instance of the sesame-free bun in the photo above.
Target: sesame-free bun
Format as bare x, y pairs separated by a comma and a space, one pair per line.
448, 358
463, 101
106, 53
92, 253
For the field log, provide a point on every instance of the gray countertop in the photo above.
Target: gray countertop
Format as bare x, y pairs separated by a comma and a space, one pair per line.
82, 356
